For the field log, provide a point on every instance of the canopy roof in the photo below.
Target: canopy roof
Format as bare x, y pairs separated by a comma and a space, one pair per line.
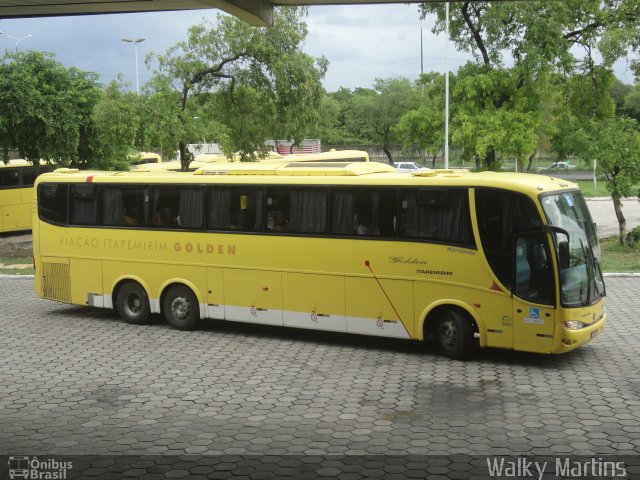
256, 12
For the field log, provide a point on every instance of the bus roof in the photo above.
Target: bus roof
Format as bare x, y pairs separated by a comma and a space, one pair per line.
320, 173
20, 162
332, 155
272, 157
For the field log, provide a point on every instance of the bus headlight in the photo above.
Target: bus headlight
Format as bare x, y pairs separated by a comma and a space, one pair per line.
573, 324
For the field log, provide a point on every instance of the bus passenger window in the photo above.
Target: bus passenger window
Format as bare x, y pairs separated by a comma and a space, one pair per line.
84, 204
124, 206
437, 214
9, 178
164, 205
364, 212
191, 209
29, 177
297, 210
52, 203
234, 208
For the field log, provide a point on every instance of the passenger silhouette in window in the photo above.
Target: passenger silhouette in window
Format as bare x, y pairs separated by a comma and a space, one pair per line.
364, 224
280, 222
131, 216
166, 218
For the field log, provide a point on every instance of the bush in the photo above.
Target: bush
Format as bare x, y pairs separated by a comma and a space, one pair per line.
633, 237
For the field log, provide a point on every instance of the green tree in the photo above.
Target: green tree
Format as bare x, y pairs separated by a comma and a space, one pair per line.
45, 108
424, 126
373, 114
246, 84
542, 38
115, 125
614, 144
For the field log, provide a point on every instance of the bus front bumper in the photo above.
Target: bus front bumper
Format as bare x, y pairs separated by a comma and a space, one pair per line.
567, 340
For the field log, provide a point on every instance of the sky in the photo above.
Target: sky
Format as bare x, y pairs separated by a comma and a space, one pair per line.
362, 42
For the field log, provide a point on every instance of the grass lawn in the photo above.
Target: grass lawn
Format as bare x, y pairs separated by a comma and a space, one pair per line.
586, 186
619, 258
16, 266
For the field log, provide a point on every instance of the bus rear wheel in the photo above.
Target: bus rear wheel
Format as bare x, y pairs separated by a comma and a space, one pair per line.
132, 303
180, 308
454, 335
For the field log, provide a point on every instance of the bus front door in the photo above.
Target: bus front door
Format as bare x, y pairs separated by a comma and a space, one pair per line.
533, 294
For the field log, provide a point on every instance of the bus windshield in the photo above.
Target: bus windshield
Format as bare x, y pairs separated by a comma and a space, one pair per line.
581, 280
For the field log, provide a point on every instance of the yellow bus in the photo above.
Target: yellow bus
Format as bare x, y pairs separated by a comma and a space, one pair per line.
475, 259
16, 194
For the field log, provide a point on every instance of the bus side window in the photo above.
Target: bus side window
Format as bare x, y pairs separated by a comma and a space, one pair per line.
234, 208
84, 204
52, 203
277, 210
367, 212
28, 177
164, 205
9, 178
437, 214
191, 208
124, 206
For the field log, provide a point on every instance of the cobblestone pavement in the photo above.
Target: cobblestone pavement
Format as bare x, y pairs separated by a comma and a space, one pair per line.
78, 381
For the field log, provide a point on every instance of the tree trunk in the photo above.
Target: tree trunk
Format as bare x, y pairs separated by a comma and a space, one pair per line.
387, 152
185, 157
433, 161
490, 159
530, 162
622, 222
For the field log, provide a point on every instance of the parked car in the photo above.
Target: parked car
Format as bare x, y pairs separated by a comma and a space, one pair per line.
559, 167
408, 167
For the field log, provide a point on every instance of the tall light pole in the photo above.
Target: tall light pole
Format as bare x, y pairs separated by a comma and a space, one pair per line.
135, 47
17, 39
421, 55
446, 89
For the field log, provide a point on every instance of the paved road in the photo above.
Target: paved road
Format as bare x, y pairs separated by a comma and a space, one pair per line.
605, 216
76, 380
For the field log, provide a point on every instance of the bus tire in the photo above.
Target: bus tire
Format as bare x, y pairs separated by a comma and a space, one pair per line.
180, 308
454, 335
132, 303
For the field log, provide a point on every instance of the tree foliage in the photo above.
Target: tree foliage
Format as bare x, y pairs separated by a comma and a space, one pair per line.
239, 84
45, 108
545, 41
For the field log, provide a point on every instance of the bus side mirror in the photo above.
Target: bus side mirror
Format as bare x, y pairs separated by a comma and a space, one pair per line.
563, 255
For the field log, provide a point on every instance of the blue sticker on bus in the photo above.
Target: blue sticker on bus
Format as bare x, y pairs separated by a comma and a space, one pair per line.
534, 312
569, 199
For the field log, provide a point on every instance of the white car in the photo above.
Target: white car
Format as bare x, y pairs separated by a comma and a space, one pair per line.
408, 167
559, 167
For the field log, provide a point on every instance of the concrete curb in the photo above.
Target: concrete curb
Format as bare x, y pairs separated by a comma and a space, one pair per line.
604, 199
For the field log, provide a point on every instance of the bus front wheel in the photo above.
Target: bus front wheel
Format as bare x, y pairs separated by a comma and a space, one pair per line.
454, 335
180, 308
132, 303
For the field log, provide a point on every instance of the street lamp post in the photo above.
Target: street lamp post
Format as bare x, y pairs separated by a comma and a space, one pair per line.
135, 46
17, 39
446, 90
